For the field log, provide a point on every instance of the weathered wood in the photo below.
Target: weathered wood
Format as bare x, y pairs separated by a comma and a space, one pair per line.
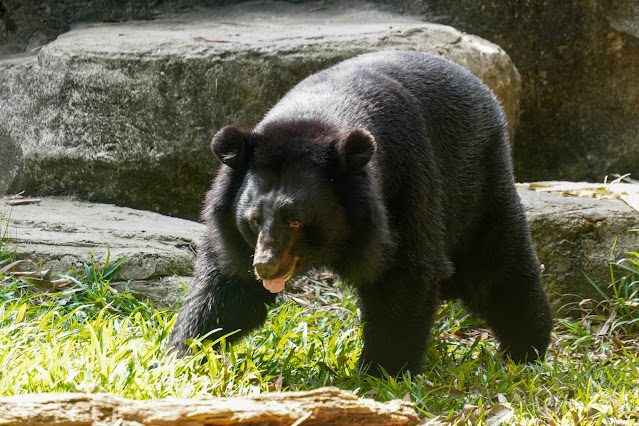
324, 406
24, 201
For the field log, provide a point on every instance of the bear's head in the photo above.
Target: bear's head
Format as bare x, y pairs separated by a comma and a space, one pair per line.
294, 205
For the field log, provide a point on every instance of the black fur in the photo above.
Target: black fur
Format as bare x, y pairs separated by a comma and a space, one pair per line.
396, 167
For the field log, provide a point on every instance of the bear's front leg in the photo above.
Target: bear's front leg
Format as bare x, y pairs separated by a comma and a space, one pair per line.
221, 303
397, 315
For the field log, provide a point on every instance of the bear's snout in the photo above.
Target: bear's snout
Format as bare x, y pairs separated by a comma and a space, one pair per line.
266, 267
269, 265
266, 259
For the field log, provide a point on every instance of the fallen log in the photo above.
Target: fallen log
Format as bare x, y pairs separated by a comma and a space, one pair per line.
324, 406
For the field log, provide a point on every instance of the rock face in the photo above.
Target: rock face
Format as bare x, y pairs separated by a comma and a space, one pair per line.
572, 236
124, 113
579, 63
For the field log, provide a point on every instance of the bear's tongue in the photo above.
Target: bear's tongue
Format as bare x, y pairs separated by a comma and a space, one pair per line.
276, 285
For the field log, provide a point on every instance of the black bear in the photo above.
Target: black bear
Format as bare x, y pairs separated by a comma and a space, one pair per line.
392, 170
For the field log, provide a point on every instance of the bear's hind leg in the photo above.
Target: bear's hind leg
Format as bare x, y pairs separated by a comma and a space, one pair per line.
397, 315
517, 311
500, 280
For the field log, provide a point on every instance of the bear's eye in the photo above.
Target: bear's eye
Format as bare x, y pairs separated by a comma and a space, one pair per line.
254, 220
295, 223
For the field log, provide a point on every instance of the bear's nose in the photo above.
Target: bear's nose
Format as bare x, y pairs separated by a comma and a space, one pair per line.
266, 270
266, 266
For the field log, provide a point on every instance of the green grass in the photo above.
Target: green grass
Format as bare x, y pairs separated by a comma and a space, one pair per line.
85, 337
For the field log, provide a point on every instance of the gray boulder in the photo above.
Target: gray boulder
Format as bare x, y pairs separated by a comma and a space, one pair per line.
124, 112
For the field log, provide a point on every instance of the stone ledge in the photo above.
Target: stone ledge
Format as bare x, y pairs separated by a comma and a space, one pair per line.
62, 233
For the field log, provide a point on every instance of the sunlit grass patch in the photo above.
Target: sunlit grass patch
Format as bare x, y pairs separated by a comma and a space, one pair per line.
86, 337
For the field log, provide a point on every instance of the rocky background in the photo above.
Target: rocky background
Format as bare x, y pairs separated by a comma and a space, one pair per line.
578, 62
124, 112
116, 102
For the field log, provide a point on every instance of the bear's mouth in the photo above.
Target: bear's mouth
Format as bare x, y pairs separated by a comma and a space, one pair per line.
276, 285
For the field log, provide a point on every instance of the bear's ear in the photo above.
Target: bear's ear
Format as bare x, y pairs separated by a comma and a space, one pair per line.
229, 144
356, 150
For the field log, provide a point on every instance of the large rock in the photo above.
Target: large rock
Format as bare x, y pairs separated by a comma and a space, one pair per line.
579, 63
573, 236
124, 113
